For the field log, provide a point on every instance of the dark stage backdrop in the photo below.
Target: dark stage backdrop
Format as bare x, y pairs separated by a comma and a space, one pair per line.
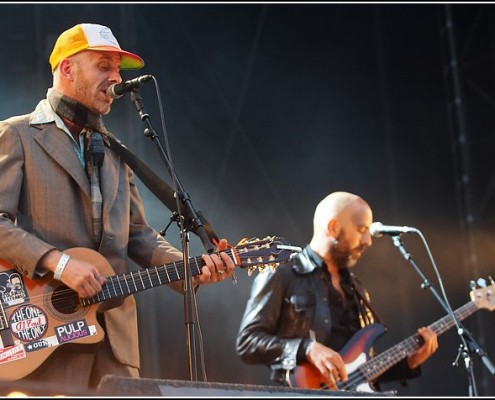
270, 107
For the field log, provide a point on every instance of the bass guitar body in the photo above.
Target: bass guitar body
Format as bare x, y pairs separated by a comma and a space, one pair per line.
355, 353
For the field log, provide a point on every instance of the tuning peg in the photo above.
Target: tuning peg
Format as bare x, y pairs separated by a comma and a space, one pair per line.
472, 284
491, 280
481, 282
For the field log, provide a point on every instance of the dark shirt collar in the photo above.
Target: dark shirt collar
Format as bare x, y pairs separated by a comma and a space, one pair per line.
315, 258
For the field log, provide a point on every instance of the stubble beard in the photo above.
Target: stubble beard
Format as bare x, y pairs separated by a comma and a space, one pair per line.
89, 99
342, 255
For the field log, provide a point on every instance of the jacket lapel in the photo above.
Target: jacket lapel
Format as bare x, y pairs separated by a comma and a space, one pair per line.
109, 175
58, 145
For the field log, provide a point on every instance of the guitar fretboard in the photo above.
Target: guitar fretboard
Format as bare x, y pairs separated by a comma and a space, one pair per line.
133, 282
383, 361
249, 254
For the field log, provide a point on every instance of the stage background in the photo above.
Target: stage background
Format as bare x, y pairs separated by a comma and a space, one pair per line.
270, 107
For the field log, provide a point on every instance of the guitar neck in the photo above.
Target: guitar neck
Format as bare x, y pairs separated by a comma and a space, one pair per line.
147, 278
254, 253
383, 361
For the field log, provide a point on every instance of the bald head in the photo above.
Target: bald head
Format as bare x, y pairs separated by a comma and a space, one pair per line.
337, 205
341, 228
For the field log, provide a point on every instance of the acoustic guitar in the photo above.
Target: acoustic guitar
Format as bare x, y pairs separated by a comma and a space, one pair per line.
39, 315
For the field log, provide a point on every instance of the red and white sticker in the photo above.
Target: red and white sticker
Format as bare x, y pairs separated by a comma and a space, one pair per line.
12, 353
28, 323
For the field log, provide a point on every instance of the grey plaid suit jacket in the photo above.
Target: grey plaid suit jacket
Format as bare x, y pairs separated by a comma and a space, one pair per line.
45, 204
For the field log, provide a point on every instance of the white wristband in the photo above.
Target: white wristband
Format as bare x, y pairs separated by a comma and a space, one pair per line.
62, 263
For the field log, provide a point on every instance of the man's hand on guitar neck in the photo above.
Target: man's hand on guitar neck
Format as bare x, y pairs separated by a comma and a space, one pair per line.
328, 362
217, 268
429, 346
79, 275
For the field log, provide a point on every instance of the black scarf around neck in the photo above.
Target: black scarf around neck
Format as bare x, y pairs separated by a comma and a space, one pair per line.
75, 112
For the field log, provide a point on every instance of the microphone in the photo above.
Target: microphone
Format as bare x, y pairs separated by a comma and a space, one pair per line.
118, 89
377, 229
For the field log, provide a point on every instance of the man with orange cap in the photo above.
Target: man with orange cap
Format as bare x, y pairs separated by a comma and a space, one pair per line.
62, 188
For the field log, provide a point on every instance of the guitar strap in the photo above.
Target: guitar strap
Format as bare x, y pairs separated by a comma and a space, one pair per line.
154, 183
363, 297
157, 186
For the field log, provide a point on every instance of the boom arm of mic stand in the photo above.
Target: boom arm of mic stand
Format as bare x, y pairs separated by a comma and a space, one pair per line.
426, 283
193, 218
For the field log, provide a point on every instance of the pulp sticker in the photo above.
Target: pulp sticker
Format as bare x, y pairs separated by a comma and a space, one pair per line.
51, 341
28, 323
12, 288
12, 353
72, 331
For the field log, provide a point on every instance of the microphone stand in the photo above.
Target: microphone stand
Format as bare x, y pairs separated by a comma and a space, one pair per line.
468, 345
190, 220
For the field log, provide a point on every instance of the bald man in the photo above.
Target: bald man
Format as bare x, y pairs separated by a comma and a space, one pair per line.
301, 315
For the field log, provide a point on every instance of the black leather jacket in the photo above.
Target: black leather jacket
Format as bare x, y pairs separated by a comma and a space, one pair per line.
284, 305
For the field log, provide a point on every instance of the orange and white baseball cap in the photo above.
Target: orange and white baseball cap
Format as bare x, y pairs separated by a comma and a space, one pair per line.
91, 37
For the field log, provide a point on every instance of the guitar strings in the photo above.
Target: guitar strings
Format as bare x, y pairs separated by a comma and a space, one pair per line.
377, 365
59, 294
140, 280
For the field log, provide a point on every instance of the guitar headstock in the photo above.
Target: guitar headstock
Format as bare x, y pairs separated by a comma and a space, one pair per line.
261, 253
484, 297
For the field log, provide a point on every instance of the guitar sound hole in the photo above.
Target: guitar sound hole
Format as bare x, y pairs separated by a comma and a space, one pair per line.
65, 300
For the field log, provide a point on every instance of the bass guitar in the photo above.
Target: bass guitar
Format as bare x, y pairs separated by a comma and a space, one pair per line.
37, 316
363, 369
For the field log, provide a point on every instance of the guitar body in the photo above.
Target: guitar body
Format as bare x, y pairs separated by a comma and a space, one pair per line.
355, 353
37, 316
